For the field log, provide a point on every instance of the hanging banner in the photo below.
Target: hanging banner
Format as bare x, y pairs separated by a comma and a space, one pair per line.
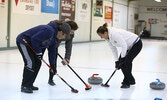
2, 3
98, 12
99, 3
108, 13
68, 10
32, 7
116, 16
83, 10
50, 6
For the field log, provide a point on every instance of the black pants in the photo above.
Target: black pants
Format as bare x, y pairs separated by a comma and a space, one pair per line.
31, 64
127, 69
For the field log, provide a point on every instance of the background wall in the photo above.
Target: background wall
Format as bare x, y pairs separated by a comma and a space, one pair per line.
21, 22
83, 19
158, 13
3, 23
133, 13
99, 21
123, 16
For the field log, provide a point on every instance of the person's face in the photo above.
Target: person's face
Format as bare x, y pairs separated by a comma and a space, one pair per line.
103, 36
72, 32
60, 35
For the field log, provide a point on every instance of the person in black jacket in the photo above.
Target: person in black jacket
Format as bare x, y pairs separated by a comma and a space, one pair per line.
68, 48
32, 44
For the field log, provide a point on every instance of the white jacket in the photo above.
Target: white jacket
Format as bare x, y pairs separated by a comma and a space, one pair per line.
120, 38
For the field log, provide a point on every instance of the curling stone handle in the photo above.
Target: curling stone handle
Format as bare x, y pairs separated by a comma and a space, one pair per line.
158, 80
93, 76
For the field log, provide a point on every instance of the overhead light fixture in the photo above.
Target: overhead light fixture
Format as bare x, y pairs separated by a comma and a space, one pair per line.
158, 0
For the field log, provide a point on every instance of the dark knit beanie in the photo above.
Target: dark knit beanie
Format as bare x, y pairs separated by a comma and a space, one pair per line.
66, 29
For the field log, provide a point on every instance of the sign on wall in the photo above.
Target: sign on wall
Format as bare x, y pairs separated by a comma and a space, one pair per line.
2, 3
68, 10
50, 6
99, 3
32, 7
155, 9
108, 13
83, 11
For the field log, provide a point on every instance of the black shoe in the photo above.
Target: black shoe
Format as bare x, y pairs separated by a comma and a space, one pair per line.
34, 88
50, 82
26, 89
131, 83
125, 86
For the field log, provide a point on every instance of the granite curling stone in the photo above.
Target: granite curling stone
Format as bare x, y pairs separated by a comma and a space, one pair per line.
95, 80
158, 85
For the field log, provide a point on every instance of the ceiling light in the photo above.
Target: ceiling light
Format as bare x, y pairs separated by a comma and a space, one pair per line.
158, 0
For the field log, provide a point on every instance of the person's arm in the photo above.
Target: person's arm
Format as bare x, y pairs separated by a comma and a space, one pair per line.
38, 38
68, 48
52, 53
122, 43
113, 49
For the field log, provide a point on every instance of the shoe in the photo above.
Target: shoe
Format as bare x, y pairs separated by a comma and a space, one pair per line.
26, 89
34, 88
50, 82
131, 83
125, 86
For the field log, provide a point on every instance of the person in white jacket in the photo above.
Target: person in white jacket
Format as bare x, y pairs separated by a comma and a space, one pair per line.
123, 39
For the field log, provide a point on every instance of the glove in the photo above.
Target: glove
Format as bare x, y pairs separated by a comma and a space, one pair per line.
54, 69
39, 56
65, 61
118, 65
122, 61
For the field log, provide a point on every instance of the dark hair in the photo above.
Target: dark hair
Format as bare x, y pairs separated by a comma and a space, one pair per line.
102, 29
73, 25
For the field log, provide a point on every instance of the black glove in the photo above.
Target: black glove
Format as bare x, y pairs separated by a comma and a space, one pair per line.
65, 61
122, 61
54, 69
118, 65
39, 56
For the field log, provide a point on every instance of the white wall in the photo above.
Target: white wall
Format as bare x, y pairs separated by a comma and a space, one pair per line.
156, 29
83, 20
120, 16
132, 10
22, 22
87, 28
99, 21
3, 23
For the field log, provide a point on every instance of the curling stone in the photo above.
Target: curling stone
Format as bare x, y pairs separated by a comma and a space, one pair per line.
157, 99
95, 80
158, 85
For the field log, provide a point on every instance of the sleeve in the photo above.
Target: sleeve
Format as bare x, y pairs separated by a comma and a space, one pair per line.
113, 49
37, 38
68, 48
122, 43
52, 53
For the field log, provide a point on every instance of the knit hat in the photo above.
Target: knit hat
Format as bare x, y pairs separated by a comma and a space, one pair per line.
66, 29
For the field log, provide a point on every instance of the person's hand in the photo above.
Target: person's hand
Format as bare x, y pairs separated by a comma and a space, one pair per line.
118, 65
122, 61
65, 61
54, 69
39, 56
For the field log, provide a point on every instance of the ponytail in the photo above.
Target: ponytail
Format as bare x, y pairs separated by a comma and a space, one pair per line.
102, 29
